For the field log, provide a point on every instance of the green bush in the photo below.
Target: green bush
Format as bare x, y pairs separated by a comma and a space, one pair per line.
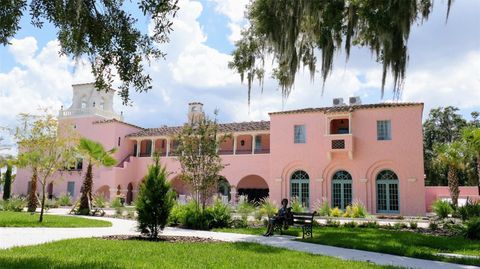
64, 200
15, 204
473, 229
350, 224
324, 209
218, 215
267, 208
442, 208
296, 205
99, 201
359, 210
400, 225
194, 218
177, 214
433, 225
368, 224
348, 212
332, 223
244, 208
116, 203
469, 210
155, 200
336, 212
413, 225
50, 203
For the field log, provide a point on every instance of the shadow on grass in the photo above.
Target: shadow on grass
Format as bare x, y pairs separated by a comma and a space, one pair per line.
257, 248
45, 263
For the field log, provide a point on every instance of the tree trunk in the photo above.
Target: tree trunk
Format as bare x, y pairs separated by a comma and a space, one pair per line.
32, 196
86, 197
453, 185
42, 205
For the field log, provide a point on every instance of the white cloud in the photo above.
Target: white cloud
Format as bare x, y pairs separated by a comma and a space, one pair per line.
233, 9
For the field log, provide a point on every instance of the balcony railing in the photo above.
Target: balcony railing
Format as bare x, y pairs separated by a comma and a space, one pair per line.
340, 143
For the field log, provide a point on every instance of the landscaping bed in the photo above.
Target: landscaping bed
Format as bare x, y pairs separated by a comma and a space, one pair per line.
116, 254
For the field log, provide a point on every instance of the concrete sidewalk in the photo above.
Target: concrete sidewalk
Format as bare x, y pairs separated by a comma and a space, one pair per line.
10, 237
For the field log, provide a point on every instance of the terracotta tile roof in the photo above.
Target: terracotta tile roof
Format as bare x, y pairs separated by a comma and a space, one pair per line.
345, 108
222, 127
115, 120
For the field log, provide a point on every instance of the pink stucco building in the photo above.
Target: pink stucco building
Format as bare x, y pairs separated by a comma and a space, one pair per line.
372, 153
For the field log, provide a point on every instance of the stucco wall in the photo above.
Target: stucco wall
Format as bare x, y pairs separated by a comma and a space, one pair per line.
432, 193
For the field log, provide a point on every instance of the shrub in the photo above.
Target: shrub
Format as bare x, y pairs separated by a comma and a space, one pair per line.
244, 208
469, 210
15, 204
194, 218
239, 223
348, 212
49, 203
332, 223
267, 208
116, 203
413, 225
64, 200
177, 214
324, 209
473, 229
296, 205
350, 224
433, 225
219, 215
368, 224
336, 212
400, 225
155, 200
442, 208
99, 201
359, 210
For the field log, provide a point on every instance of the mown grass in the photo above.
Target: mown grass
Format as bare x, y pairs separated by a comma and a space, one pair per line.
387, 241
23, 219
112, 254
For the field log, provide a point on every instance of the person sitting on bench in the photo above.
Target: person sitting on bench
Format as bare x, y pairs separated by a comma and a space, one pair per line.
279, 218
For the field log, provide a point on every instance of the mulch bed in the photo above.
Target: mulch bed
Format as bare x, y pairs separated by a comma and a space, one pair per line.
162, 238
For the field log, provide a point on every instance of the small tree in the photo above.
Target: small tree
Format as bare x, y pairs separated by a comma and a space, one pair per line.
199, 159
155, 200
471, 137
7, 182
32, 196
451, 155
95, 154
45, 146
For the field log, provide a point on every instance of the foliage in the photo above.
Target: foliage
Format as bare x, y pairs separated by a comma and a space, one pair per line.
332, 223
348, 212
267, 207
155, 200
194, 217
350, 224
244, 208
471, 137
176, 214
452, 156
359, 210
296, 205
400, 225
116, 203
7, 182
95, 154
219, 214
99, 201
432, 225
104, 32
469, 210
324, 208
413, 225
45, 146
336, 212
442, 208
64, 200
473, 229
15, 204
369, 224
200, 163
32, 196
23, 219
295, 33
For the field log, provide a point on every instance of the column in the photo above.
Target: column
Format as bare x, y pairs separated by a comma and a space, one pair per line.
152, 150
234, 144
139, 145
253, 144
233, 195
168, 147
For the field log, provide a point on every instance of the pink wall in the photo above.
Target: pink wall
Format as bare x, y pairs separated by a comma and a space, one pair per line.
433, 193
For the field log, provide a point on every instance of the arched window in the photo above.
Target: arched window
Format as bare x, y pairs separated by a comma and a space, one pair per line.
387, 192
299, 187
341, 189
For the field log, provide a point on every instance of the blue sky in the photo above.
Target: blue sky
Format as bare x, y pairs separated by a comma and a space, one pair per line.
444, 69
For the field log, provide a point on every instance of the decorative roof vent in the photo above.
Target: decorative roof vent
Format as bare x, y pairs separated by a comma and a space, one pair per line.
338, 102
354, 100
195, 112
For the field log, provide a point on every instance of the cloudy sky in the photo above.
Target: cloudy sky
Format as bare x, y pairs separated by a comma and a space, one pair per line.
444, 69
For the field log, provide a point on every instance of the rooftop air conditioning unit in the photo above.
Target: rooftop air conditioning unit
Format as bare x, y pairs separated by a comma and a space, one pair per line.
338, 102
354, 100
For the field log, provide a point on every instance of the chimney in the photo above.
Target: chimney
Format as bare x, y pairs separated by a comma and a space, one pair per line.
195, 112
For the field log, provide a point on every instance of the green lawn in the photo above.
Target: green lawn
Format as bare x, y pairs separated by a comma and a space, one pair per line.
23, 219
385, 241
100, 253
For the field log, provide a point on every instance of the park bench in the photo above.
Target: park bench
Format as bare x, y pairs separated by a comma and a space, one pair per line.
298, 219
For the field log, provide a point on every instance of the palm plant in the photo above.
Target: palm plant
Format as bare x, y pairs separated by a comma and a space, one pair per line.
95, 154
471, 138
452, 156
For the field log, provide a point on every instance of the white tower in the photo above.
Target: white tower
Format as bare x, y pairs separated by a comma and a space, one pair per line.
87, 101
195, 112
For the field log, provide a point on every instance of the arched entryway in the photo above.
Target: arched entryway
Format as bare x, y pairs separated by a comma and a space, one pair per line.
300, 187
223, 189
50, 190
254, 187
180, 187
104, 191
129, 197
341, 189
387, 192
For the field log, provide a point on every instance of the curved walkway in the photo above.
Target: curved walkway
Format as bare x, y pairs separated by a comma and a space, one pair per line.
10, 237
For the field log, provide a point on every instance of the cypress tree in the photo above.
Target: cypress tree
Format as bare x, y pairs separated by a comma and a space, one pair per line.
7, 185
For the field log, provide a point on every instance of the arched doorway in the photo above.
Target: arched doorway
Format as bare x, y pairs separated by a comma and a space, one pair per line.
300, 187
341, 189
223, 188
254, 187
387, 192
104, 191
50, 190
129, 197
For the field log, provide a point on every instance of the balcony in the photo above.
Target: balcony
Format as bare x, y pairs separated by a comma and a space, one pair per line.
340, 143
